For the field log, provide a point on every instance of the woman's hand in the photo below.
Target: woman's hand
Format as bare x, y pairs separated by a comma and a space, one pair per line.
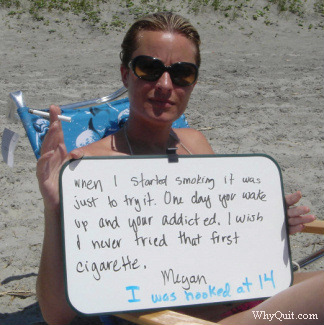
297, 215
53, 156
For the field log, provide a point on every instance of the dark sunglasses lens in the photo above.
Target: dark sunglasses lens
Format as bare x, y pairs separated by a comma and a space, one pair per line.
184, 74
148, 68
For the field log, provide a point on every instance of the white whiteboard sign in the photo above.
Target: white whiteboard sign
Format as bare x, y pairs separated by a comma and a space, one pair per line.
143, 232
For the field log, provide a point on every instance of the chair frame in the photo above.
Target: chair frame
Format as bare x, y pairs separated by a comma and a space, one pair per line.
17, 101
164, 317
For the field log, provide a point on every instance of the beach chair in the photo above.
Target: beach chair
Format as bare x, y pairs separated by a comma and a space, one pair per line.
90, 121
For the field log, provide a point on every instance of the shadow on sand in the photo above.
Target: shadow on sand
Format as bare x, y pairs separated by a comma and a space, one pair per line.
31, 315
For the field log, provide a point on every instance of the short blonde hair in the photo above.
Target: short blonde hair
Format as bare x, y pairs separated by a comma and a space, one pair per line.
161, 21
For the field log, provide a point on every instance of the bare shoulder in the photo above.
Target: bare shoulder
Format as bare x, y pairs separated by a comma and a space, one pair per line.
194, 140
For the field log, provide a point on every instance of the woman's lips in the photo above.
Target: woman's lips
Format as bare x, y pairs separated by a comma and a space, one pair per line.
161, 102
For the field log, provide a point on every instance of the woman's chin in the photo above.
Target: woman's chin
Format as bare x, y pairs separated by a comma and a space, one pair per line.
163, 116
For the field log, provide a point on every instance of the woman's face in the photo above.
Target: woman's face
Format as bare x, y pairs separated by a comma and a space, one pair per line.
159, 101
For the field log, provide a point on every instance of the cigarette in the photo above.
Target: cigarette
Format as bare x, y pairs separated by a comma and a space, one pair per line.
47, 115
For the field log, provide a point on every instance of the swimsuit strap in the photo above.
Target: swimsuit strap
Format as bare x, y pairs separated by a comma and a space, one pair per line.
175, 137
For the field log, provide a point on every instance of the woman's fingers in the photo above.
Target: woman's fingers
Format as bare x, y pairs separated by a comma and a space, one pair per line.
297, 211
50, 163
300, 220
76, 154
42, 165
54, 111
297, 215
295, 229
52, 138
293, 198
53, 156
59, 158
48, 171
54, 135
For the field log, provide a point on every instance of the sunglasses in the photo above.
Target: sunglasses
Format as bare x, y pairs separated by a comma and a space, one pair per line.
182, 74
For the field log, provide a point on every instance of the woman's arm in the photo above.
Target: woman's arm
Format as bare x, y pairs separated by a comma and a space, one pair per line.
50, 281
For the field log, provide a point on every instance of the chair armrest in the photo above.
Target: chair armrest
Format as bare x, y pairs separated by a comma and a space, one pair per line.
164, 317
315, 227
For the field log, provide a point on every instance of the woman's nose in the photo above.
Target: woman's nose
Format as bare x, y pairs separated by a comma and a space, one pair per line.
165, 82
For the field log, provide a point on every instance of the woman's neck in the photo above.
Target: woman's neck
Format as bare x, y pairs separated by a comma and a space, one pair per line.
147, 139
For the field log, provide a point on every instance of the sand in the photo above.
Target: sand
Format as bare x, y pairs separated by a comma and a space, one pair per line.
260, 90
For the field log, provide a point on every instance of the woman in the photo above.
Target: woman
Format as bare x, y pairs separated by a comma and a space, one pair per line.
160, 60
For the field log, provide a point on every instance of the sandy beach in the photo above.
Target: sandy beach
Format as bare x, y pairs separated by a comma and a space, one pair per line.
260, 90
